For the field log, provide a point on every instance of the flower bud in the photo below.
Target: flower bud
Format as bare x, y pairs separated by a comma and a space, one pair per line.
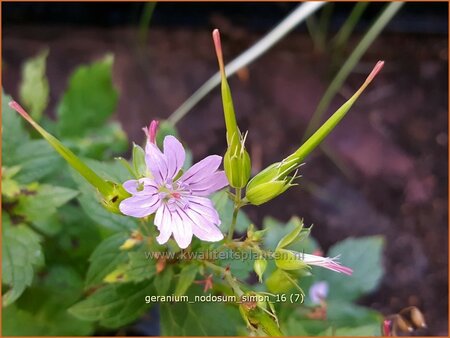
269, 183
260, 266
237, 165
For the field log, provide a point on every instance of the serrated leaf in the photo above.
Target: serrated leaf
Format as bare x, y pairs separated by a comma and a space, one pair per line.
364, 256
140, 267
114, 305
199, 318
13, 132
186, 278
34, 88
42, 310
21, 254
36, 159
39, 205
89, 100
91, 204
105, 259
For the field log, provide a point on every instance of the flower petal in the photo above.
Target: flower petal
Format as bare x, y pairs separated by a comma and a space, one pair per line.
181, 229
156, 162
209, 184
163, 220
140, 206
202, 227
201, 170
146, 185
175, 155
205, 208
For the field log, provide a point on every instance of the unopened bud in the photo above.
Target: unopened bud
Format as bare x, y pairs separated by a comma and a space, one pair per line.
260, 266
269, 183
237, 164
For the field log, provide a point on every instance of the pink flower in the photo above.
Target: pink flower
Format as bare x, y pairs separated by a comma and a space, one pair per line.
180, 202
318, 292
325, 262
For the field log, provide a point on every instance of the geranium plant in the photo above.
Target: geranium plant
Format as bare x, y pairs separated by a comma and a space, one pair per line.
178, 238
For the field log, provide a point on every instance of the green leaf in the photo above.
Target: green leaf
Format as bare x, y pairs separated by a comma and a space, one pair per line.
163, 280
199, 318
103, 217
224, 207
240, 263
90, 99
139, 266
13, 132
364, 256
102, 143
105, 258
91, 204
186, 278
139, 166
21, 254
34, 89
78, 239
114, 305
341, 314
42, 310
43, 322
104, 187
36, 159
39, 205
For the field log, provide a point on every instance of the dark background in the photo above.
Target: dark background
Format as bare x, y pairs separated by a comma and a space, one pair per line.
392, 148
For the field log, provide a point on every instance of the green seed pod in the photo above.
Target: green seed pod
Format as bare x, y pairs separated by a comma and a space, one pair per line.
260, 266
237, 164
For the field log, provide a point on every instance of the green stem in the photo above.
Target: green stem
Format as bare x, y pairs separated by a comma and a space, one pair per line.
237, 206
